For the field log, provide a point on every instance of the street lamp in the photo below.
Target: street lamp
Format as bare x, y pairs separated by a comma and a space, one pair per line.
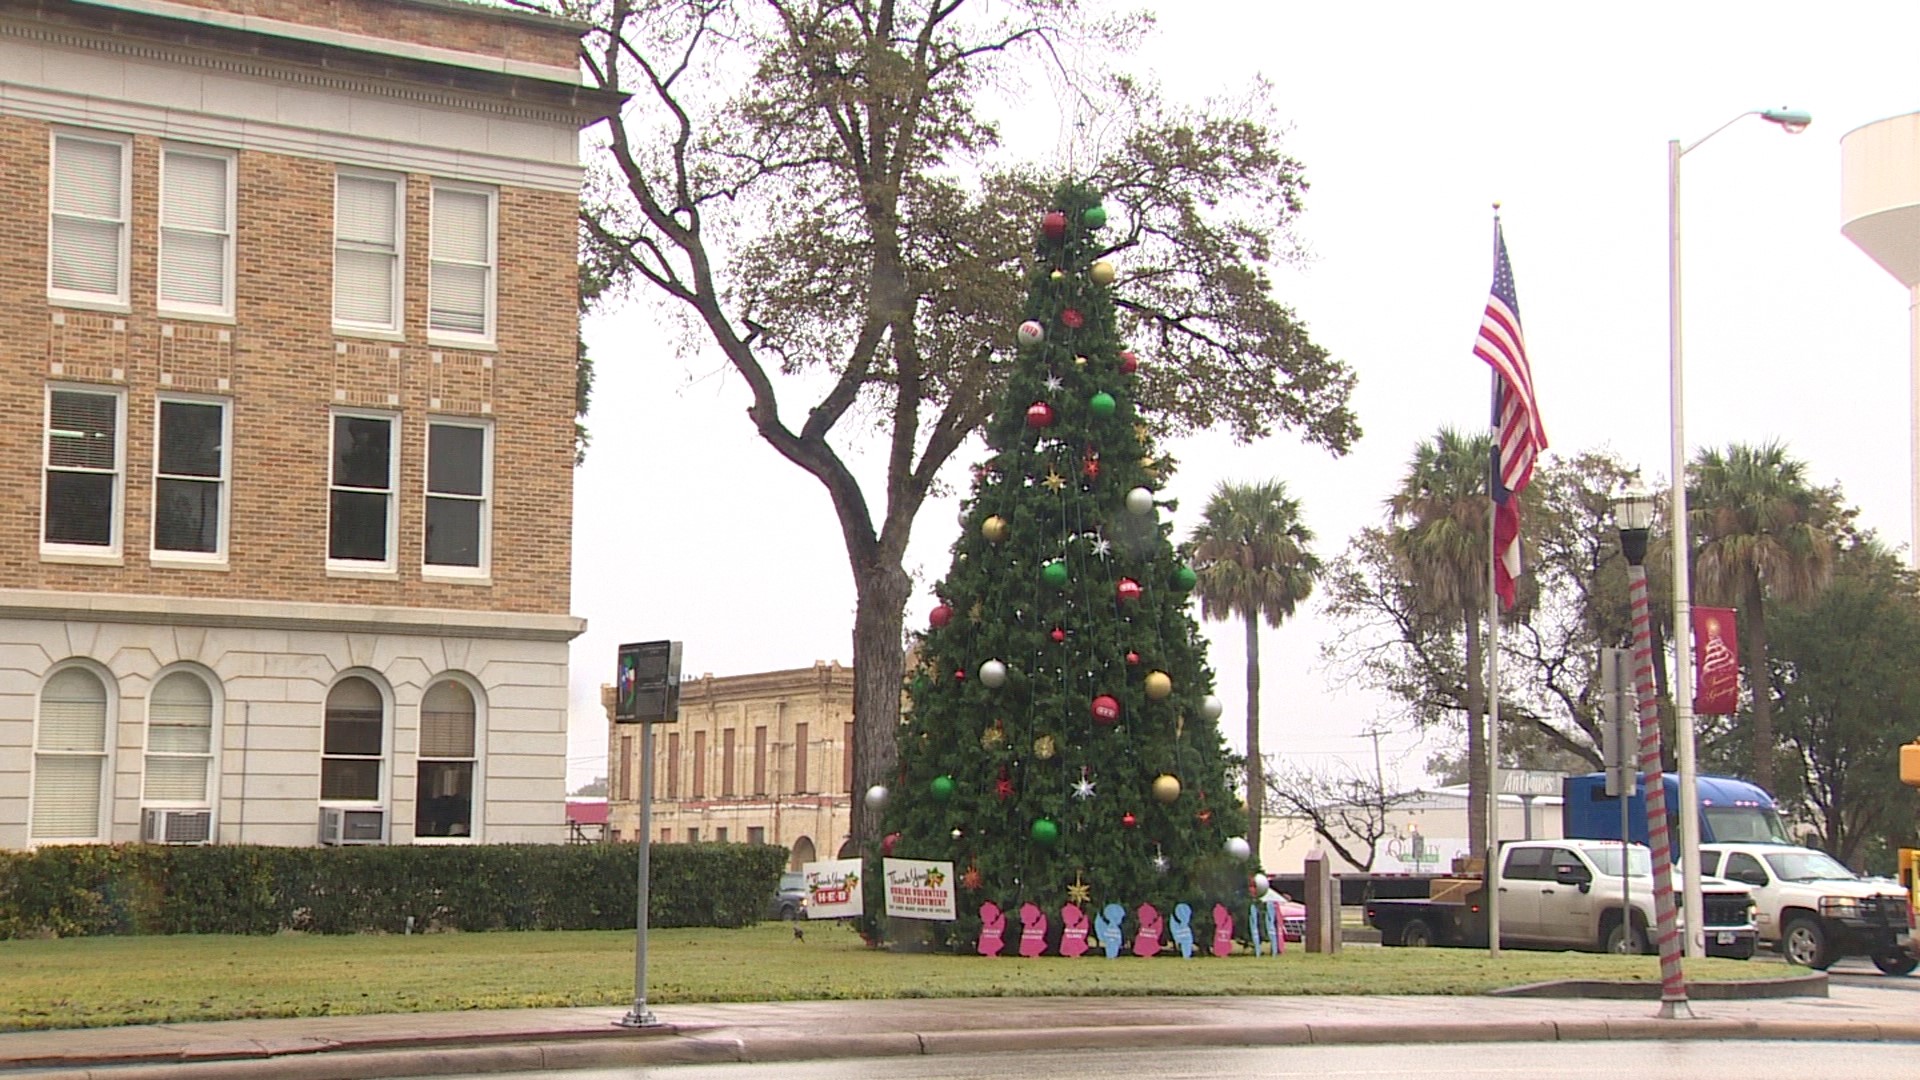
1793, 122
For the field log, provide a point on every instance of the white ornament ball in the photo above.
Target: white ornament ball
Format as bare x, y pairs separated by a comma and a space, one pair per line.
1237, 848
1260, 883
1211, 708
1031, 333
994, 674
876, 797
961, 517
1140, 501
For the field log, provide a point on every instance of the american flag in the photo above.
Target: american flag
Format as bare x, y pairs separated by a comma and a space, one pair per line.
1519, 436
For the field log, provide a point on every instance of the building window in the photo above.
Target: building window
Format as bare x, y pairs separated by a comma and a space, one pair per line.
800, 760
85, 453
672, 765
666, 835
354, 743
756, 834
179, 740
360, 526
846, 757
625, 790
367, 237
693, 835
459, 457
87, 237
699, 764
720, 835
460, 289
190, 479
443, 799
70, 757
726, 763
196, 232
760, 760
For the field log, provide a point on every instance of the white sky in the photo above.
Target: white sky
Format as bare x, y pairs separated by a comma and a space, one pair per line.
1411, 120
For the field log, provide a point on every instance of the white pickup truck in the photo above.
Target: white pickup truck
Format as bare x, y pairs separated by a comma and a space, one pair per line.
1815, 910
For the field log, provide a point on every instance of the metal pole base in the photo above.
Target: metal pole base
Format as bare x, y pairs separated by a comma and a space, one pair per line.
1677, 1009
638, 1017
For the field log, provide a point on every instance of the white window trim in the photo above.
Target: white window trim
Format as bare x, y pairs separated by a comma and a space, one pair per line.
217, 559
387, 733
216, 710
478, 835
86, 552
221, 311
390, 564
117, 302
455, 337
107, 757
468, 574
394, 329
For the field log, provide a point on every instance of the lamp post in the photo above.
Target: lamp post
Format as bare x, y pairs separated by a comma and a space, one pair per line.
1633, 515
1792, 121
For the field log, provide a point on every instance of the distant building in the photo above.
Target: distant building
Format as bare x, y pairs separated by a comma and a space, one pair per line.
1426, 829
586, 820
764, 758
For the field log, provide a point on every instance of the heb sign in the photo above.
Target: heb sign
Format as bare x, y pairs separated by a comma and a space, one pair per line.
833, 888
917, 889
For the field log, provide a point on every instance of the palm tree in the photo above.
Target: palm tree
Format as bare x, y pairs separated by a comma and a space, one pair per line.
1440, 539
1763, 536
1251, 555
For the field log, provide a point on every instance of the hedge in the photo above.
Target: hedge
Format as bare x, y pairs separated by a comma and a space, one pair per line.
81, 890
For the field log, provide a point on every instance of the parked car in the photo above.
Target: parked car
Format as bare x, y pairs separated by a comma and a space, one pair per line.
1815, 910
790, 900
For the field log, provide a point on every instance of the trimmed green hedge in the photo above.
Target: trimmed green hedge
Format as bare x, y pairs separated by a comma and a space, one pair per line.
241, 889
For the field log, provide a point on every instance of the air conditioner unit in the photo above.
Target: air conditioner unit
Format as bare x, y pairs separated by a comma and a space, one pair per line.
342, 826
176, 826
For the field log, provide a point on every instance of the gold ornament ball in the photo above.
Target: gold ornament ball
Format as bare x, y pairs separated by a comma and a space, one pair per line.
994, 529
1166, 788
1102, 273
1159, 685
1058, 275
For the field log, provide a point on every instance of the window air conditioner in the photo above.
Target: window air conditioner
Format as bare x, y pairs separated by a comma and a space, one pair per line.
342, 826
176, 826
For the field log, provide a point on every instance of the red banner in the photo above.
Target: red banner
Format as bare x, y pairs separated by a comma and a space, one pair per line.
1716, 662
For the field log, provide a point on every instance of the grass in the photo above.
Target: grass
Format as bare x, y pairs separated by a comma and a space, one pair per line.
101, 982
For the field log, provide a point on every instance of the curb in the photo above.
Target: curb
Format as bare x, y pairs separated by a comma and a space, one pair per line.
1813, 984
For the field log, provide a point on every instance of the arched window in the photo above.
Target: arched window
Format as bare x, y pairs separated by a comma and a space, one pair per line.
70, 757
179, 740
355, 742
444, 800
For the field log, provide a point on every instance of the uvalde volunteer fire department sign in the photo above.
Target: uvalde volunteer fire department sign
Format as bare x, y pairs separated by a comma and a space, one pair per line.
917, 889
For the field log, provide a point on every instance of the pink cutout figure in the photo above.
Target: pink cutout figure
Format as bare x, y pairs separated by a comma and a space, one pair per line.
992, 926
1146, 941
1222, 931
1073, 932
1033, 930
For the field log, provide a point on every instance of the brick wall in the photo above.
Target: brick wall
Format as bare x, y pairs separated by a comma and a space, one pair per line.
485, 30
284, 366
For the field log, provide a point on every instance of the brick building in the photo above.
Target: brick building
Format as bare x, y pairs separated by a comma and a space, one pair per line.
287, 317
761, 758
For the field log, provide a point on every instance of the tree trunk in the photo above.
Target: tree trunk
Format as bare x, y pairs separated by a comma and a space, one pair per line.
1256, 765
1477, 780
1760, 682
879, 668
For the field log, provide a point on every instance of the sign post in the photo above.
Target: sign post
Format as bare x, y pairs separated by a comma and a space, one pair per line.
1616, 680
646, 692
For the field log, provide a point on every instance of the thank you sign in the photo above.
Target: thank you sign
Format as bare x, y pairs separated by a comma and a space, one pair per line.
918, 889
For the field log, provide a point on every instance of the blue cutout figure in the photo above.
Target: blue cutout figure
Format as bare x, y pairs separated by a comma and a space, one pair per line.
1253, 924
1106, 927
1182, 929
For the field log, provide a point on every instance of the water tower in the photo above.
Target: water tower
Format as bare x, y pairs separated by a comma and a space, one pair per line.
1880, 212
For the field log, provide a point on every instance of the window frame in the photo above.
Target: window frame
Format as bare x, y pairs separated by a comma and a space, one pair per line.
215, 706
492, 289
396, 327
110, 552
385, 759
223, 310
476, 795
120, 300
218, 557
390, 564
105, 756
432, 570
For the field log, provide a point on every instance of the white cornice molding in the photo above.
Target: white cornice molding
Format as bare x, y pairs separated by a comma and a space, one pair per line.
285, 615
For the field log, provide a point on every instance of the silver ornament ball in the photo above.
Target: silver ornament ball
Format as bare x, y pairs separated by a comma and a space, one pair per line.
1211, 708
876, 797
993, 674
1260, 883
1237, 848
1140, 501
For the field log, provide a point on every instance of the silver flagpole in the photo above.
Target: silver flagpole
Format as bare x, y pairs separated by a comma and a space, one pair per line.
1493, 662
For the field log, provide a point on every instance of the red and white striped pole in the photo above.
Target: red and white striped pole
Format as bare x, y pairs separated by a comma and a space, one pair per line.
1673, 981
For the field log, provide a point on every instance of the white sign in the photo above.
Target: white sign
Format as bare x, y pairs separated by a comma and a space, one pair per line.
1417, 854
1529, 782
833, 888
917, 889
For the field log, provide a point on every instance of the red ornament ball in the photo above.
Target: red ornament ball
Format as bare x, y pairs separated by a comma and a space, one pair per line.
1054, 224
1128, 589
1039, 415
959, 674
886, 844
1072, 319
1204, 817
1133, 659
1105, 709
940, 616
1128, 821
1058, 635
1129, 363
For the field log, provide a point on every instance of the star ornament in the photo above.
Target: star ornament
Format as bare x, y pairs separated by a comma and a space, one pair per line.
935, 878
1054, 384
1083, 788
1079, 892
1054, 481
1101, 547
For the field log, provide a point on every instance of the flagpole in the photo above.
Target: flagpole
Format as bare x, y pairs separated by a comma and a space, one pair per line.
1493, 660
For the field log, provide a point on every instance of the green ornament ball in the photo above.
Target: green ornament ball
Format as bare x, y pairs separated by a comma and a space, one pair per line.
1045, 832
1054, 574
1095, 217
1102, 404
1186, 578
941, 788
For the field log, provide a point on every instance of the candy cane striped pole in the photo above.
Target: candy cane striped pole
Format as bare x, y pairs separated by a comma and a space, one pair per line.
1673, 981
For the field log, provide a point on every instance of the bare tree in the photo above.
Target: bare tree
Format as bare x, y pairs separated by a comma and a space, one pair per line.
1344, 805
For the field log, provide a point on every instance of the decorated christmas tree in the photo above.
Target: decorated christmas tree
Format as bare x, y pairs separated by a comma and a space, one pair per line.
1062, 744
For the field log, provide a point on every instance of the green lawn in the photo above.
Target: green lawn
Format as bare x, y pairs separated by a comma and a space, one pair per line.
97, 982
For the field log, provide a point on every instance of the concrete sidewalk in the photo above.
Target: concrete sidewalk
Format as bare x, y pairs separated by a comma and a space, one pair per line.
427, 1044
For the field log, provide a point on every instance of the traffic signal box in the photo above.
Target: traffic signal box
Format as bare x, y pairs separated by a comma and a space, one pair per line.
1910, 764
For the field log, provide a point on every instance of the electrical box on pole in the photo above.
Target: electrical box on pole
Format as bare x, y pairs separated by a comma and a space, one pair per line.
1619, 722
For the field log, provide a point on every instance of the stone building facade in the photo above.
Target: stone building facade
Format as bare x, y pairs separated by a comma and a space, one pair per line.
288, 303
762, 758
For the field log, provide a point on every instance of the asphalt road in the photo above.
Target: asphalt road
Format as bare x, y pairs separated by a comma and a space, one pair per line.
1859, 971
1490, 1061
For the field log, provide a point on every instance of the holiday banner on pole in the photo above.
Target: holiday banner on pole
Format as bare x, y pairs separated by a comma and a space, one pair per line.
1716, 662
919, 889
833, 888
